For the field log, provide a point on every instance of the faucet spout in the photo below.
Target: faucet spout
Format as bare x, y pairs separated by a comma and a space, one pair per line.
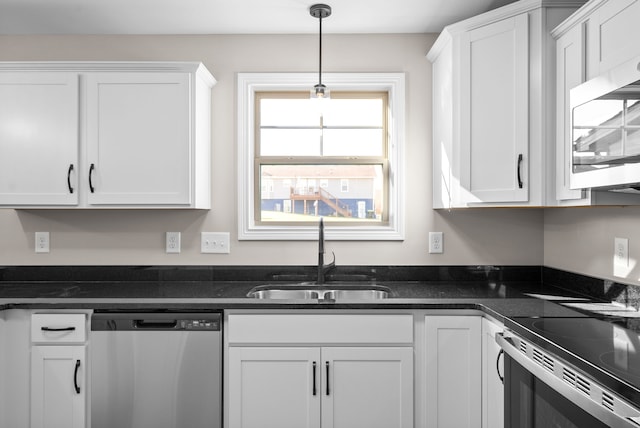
322, 268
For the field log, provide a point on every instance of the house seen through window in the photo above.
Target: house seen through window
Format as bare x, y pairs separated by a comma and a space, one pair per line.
321, 158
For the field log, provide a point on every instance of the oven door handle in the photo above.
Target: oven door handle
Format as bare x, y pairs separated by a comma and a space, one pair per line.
620, 418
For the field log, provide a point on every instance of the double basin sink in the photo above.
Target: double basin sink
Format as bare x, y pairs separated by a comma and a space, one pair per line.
311, 291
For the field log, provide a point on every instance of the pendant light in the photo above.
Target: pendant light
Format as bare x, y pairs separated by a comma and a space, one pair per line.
320, 11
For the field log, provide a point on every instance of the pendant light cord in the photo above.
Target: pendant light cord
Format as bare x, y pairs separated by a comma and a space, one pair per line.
320, 11
320, 55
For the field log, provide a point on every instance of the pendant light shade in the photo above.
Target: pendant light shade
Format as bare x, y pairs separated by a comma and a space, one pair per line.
320, 11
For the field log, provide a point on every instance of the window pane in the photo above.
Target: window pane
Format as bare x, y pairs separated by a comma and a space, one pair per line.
341, 192
354, 112
633, 112
598, 113
288, 112
290, 142
352, 142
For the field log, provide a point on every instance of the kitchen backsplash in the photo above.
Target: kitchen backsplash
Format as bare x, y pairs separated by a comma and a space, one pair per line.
268, 273
599, 289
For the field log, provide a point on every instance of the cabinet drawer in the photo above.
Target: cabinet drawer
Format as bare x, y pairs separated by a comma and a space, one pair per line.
58, 328
321, 328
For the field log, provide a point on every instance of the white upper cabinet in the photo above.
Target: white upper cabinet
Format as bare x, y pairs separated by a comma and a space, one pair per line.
494, 110
38, 138
599, 36
570, 66
493, 106
124, 135
613, 34
146, 117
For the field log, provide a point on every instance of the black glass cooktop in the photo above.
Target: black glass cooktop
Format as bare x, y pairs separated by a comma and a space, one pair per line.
606, 349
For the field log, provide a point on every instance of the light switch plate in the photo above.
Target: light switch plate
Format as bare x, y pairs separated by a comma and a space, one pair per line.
215, 242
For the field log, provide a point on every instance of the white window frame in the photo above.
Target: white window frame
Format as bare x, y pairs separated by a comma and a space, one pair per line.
249, 84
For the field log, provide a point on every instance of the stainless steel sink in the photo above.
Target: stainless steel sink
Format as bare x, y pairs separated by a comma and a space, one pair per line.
366, 294
326, 292
275, 293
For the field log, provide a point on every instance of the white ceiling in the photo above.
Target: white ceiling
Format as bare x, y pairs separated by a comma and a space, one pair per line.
232, 16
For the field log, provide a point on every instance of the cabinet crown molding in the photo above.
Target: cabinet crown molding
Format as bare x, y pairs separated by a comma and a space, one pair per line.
577, 17
128, 66
487, 18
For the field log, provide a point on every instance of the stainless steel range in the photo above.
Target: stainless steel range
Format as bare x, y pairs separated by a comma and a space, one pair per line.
548, 385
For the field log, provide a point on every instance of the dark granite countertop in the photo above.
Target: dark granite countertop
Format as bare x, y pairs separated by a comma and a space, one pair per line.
499, 300
505, 294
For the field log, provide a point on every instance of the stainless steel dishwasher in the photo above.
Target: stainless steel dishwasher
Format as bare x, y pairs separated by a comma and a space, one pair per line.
156, 370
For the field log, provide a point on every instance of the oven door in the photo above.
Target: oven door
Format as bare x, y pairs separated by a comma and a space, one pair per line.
531, 403
543, 391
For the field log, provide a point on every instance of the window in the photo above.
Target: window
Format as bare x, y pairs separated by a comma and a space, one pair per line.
338, 159
344, 185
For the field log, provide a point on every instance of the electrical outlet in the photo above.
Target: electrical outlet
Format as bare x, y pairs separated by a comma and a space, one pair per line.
620, 254
436, 246
42, 242
173, 242
215, 242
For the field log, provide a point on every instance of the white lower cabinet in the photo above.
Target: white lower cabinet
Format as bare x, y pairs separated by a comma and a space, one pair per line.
453, 368
321, 387
273, 387
292, 380
58, 394
3, 380
58, 370
492, 376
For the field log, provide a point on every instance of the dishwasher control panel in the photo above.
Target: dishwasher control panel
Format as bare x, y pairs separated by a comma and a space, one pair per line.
156, 321
203, 324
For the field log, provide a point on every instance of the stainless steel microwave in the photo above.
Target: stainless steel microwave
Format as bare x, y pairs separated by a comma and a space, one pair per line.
605, 130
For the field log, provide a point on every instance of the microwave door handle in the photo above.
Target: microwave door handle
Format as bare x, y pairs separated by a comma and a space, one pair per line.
612, 419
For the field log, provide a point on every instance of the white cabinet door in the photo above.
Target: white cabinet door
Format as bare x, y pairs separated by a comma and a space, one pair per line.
274, 387
138, 138
57, 386
492, 375
367, 387
494, 111
570, 67
38, 138
613, 34
3, 369
453, 371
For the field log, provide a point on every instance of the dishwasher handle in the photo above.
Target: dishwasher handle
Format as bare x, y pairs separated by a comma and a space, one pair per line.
147, 324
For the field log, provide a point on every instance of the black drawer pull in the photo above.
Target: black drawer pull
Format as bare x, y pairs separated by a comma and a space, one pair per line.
69, 178
314, 378
327, 365
519, 165
91, 168
75, 377
57, 328
500, 354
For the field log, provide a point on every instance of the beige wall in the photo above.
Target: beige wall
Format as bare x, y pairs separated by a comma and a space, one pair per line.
581, 240
137, 237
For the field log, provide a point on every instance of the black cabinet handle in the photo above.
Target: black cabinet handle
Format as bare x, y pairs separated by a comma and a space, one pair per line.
327, 366
314, 378
91, 168
69, 178
75, 377
500, 354
57, 328
519, 165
